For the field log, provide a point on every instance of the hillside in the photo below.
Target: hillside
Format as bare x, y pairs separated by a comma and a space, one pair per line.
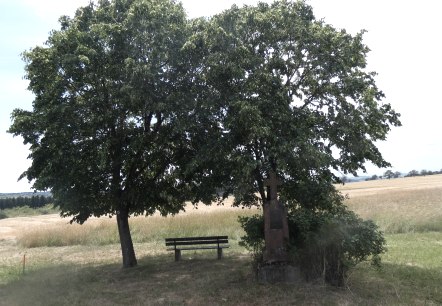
386, 185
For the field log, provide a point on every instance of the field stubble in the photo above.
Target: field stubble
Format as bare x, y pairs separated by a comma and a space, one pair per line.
401, 205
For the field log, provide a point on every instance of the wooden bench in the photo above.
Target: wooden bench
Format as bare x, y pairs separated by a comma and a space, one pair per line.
197, 243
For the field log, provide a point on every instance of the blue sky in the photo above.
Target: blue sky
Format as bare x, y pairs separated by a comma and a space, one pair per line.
404, 37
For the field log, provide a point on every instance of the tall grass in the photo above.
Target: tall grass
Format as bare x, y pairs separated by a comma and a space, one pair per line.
101, 232
401, 211
151, 229
395, 211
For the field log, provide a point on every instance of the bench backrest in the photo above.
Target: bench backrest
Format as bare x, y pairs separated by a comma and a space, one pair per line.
197, 240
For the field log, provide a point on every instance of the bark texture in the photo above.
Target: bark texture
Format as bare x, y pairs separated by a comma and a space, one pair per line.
127, 247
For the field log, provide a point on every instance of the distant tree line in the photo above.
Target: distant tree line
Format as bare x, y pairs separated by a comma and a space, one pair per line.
422, 173
33, 202
389, 174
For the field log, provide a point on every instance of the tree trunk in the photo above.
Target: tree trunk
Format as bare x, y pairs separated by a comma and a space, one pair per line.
127, 247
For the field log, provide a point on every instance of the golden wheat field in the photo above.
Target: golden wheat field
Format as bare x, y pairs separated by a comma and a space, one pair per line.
399, 205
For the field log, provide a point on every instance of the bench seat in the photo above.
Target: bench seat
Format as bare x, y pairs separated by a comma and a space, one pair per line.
197, 243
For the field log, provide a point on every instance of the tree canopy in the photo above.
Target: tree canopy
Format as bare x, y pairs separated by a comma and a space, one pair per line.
104, 132
138, 109
291, 94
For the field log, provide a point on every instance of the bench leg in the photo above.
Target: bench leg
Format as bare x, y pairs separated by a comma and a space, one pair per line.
177, 255
220, 253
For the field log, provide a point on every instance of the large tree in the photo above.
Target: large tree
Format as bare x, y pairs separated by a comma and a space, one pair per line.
105, 131
291, 94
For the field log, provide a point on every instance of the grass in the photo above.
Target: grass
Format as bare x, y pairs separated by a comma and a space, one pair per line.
399, 208
85, 269
200, 279
160, 281
27, 211
150, 230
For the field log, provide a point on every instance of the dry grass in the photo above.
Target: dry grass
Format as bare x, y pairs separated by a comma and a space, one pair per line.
386, 186
151, 229
399, 205
90, 273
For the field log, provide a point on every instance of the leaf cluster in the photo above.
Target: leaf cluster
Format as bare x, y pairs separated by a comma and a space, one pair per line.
287, 93
105, 132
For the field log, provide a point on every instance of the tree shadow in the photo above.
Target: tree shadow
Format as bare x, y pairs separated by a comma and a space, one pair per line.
200, 279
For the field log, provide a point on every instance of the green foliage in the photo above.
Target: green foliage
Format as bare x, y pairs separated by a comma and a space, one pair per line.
389, 174
324, 244
253, 241
102, 131
254, 228
34, 201
105, 132
374, 177
413, 173
137, 109
291, 95
423, 172
340, 242
287, 93
23, 211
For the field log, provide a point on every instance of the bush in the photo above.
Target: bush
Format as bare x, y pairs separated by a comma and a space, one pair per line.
28, 211
323, 244
253, 241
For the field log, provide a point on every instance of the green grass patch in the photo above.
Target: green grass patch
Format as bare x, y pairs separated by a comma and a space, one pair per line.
411, 273
391, 225
200, 279
11, 272
25, 211
422, 250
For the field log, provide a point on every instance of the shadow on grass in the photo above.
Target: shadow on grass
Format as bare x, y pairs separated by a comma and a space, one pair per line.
203, 280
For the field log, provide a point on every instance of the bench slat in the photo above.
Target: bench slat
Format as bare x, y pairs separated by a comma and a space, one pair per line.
196, 238
198, 242
201, 248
